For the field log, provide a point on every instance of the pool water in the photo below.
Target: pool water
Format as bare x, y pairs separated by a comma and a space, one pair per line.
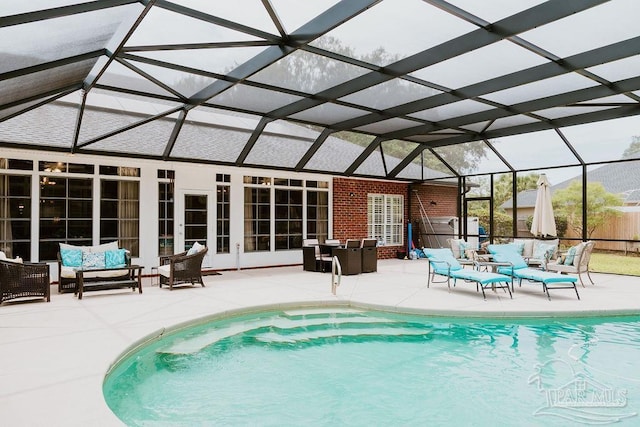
350, 367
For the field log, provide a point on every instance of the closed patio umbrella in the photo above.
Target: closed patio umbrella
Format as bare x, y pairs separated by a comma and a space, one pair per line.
544, 224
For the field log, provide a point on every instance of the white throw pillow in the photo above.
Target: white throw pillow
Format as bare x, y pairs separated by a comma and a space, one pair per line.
111, 246
68, 246
197, 247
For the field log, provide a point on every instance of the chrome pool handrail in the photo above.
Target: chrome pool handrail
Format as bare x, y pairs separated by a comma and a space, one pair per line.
336, 269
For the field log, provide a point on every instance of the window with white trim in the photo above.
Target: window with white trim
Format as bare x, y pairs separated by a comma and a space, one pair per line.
385, 218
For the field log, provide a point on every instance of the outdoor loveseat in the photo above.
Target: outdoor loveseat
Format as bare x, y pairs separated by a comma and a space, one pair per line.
72, 257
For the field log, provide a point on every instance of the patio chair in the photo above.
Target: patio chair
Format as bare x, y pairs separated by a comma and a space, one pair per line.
311, 255
182, 268
576, 261
519, 269
461, 250
325, 253
24, 280
443, 263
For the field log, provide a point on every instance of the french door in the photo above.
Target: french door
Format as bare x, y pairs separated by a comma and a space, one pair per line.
195, 219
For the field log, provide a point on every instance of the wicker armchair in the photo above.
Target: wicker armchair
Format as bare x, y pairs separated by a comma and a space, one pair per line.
181, 269
26, 280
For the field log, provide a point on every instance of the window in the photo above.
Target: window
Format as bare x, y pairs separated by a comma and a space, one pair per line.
223, 221
288, 218
385, 218
15, 215
120, 213
66, 213
17, 164
165, 218
257, 219
58, 167
317, 215
165, 211
288, 209
119, 171
196, 219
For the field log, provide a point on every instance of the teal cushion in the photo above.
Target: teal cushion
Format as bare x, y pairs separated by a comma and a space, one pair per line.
482, 277
442, 260
506, 270
544, 276
518, 248
115, 258
463, 247
93, 260
511, 257
571, 254
543, 250
71, 257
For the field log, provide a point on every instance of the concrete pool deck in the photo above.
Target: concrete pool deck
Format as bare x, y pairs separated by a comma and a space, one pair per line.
54, 355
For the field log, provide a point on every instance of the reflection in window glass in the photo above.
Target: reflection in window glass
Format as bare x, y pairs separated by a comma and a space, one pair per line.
165, 218
15, 216
317, 215
471, 158
313, 73
120, 214
66, 213
288, 219
390, 93
196, 219
223, 220
257, 219
17, 164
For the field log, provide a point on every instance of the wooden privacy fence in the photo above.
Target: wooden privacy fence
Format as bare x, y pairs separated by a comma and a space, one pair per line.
625, 227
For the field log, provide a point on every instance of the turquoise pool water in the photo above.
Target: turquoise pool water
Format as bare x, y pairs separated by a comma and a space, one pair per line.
347, 367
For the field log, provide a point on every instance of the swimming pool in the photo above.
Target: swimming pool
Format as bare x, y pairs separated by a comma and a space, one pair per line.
351, 367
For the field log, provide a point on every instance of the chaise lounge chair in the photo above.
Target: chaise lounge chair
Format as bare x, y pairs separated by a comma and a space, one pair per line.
443, 263
519, 269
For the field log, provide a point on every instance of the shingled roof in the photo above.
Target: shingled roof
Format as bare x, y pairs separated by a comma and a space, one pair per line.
620, 178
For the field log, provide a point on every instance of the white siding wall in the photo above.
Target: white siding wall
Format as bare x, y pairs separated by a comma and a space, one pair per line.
189, 177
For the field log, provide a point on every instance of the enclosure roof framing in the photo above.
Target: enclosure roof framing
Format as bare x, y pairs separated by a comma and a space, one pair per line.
369, 88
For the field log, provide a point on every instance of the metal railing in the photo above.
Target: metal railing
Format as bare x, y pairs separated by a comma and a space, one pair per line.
336, 274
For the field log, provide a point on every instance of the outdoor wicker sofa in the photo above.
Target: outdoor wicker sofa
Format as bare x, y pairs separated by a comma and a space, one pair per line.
67, 274
24, 280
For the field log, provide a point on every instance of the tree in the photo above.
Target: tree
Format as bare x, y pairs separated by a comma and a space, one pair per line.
502, 188
561, 224
310, 73
600, 206
463, 158
633, 150
503, 223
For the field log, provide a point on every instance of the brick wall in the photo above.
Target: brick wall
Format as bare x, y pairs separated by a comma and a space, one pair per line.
350, 206
445, 206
